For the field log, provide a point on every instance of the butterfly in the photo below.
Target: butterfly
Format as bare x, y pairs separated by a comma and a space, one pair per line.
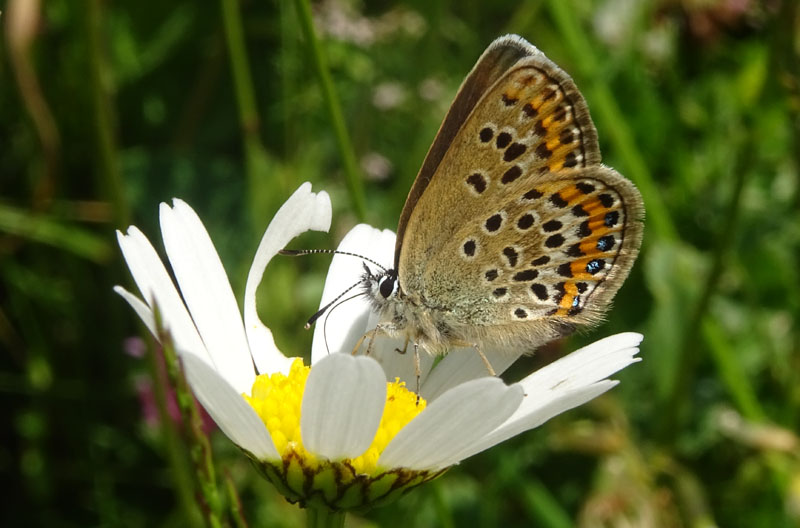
513, 233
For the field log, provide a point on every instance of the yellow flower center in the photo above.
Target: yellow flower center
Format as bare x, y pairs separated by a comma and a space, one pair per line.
277, 398
350, 484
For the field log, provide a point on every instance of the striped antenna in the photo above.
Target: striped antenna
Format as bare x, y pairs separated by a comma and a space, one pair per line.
299, 252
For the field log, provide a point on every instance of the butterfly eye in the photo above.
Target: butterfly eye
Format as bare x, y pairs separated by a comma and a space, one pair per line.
387, 286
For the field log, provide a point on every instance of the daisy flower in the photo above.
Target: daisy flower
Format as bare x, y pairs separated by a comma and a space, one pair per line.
346, 432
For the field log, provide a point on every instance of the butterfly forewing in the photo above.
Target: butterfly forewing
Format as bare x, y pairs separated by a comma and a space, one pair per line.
501, 56
520, 205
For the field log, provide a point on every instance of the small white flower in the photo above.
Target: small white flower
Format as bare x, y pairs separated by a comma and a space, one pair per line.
342, 434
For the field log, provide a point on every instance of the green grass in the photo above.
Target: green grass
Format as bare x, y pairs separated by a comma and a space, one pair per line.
111, 109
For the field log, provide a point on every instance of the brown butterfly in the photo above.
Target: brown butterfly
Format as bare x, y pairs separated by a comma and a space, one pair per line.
513, 233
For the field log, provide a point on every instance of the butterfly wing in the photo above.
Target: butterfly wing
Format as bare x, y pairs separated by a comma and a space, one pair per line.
516, 198
501, 55
559, 247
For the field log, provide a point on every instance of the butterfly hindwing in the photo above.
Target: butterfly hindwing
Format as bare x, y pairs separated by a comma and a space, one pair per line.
559, 249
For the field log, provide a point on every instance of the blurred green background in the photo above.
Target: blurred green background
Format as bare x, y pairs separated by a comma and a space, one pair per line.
107, 109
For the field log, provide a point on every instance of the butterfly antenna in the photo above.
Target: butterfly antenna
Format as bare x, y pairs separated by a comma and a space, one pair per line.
325, 323
313, 318
299, 252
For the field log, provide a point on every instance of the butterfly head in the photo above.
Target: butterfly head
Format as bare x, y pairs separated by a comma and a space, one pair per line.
382, 288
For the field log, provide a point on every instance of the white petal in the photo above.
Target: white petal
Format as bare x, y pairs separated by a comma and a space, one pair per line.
229, 409
303, 211
566, 383
141, 309
207, 293
462, 365
342, 406
157, 289
524, 420
340, 328
586, 365
456, 420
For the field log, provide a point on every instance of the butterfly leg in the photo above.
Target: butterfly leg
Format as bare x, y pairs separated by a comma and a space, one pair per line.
417, 369
405, 347
484, 359
367, 335
417, 365
380, 329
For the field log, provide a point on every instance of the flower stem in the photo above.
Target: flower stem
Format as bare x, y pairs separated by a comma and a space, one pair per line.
21, 39
242, 79
199, 446
322, 518
352, 176
181, 472
608, 113
255, 155
730, 370
107, 153
237, 515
